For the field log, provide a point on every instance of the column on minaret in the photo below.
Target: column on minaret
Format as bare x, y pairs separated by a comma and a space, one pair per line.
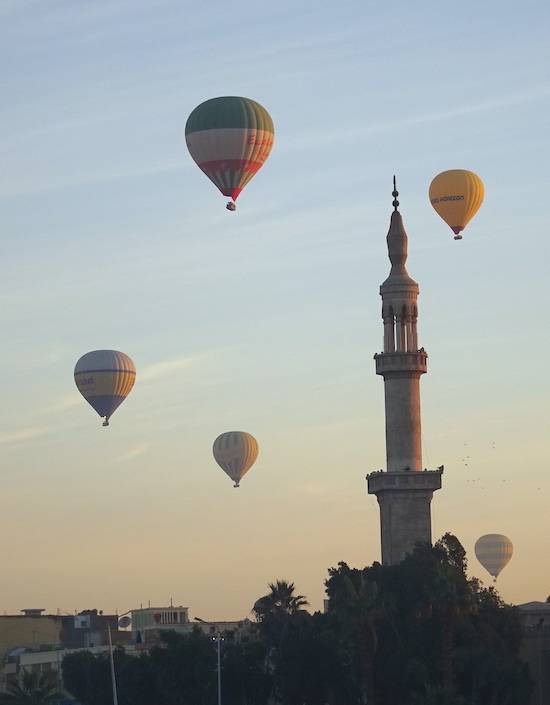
389, 330
414, 334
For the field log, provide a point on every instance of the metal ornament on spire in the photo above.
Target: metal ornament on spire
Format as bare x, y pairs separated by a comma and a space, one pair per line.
395, 194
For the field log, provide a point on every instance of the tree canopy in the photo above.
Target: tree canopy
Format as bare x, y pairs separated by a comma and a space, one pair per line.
417, 633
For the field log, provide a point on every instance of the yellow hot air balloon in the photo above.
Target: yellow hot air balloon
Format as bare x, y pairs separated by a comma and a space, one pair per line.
494, 552
456, 196
105, 378
235, 452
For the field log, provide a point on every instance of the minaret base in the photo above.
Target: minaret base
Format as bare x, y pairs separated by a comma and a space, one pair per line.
405, 516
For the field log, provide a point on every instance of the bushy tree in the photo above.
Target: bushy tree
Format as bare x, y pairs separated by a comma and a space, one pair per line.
417, 633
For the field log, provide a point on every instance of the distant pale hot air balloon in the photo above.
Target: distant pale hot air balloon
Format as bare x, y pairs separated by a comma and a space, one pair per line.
105, 378
456, 196
235, 452
230, 138
494, 552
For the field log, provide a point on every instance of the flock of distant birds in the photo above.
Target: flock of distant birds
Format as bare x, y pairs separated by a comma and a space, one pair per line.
230, 138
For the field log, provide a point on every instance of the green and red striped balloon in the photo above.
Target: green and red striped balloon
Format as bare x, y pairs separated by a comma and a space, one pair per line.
230, 138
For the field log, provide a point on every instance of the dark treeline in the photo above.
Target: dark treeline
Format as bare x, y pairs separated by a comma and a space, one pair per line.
419, 633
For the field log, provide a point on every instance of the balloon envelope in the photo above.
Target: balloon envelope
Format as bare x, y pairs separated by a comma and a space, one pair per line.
229, 138
105, 378
494, 552
235, 452
456, 196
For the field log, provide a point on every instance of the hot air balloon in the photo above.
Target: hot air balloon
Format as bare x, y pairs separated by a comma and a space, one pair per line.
494, 552
235, 452
456, 196
229, 138
105, 378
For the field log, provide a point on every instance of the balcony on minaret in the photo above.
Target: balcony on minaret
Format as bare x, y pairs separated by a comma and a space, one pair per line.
412, 362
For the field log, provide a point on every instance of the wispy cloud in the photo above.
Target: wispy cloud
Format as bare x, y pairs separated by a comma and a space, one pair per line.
21, 435
68, 401
165, 368
11, 191
134, 452
314, 139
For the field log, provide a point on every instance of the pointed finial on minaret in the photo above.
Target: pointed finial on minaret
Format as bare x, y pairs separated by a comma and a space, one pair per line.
395, 194
397, 238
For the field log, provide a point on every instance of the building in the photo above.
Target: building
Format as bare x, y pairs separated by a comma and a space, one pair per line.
29, 630
35, 630
404, 492
45, 661
149, 623
535, 648
43, 639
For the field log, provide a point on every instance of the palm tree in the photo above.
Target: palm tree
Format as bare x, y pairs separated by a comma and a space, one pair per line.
280, 601
32, 689
358, 605
274, 611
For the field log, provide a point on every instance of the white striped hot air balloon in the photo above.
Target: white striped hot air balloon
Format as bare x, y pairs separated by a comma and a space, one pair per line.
494, 552
235, 452
105, 378
230, 138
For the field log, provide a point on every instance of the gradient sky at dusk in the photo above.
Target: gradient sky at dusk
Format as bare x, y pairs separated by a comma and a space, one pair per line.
265, 320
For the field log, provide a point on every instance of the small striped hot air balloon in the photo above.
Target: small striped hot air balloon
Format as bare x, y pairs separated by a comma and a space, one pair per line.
105, 378
229, 138
494, 552
235, 452
456, 195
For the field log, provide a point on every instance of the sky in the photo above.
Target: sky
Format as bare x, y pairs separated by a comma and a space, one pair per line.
267, 319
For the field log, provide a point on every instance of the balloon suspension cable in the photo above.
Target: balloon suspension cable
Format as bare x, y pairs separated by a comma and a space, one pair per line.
231, 206
395, 194
106, 422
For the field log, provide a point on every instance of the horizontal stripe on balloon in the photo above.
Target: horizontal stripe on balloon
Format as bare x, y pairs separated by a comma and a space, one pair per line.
105, 404
94, 384
111, 370
230, 176
229, 143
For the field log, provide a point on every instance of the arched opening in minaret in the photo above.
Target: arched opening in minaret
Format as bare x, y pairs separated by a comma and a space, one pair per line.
401, 330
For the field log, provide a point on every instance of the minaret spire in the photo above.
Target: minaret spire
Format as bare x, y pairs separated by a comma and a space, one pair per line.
404, 493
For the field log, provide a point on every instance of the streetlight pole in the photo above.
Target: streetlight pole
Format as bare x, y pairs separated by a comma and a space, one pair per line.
113, 678
219, 669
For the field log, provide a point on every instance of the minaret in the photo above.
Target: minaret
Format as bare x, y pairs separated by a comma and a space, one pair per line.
405, 491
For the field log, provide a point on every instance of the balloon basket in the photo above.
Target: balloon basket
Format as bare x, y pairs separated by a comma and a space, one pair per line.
231, 206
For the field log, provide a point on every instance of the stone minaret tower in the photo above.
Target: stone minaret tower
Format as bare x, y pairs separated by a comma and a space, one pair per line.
405, 491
